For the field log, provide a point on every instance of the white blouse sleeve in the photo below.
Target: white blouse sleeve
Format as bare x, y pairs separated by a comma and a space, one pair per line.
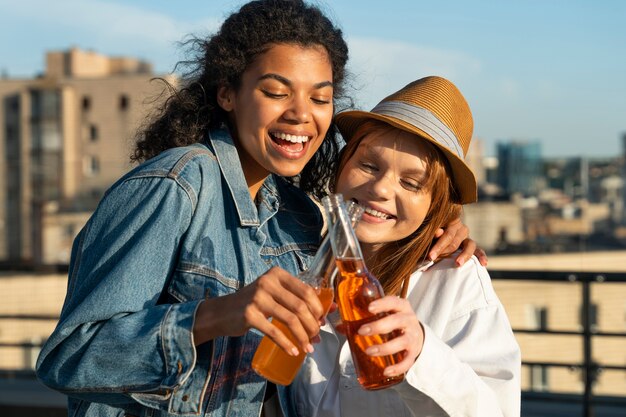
470, 361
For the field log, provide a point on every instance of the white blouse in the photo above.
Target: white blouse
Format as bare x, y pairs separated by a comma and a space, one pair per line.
469, 365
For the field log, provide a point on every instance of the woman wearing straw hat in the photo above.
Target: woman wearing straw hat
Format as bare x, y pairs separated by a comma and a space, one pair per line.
404, 163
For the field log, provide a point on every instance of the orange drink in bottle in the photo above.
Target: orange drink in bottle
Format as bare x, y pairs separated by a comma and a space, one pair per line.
356, 288
270, 360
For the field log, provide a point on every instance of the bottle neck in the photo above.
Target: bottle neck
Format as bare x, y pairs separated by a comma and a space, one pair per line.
342, 219
323, 267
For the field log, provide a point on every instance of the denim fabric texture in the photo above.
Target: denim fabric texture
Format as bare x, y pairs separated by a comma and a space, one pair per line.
176, 229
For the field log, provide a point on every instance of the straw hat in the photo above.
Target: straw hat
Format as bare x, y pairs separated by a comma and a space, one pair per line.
434, 109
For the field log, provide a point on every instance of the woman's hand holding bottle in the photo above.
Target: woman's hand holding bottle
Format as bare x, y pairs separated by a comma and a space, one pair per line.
275, 294
400, 318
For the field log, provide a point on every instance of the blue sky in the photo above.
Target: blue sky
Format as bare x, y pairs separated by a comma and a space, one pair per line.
547, 70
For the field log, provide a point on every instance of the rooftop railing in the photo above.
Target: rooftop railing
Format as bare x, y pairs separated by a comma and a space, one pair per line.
588, 403
16, 383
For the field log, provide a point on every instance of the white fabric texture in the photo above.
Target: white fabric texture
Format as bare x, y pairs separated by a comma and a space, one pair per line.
469, 365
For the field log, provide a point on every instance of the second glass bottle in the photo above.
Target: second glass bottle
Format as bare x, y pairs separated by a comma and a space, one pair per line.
355, 289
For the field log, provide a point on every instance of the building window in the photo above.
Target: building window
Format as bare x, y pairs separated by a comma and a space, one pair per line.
14, 105
31, 352
124, 102
70, 231
537, 317
91, 165
538, 378
95, 165
10, 133
93, 133
86, 103
593, 317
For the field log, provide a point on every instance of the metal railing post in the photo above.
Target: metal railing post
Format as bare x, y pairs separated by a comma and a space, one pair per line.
588, 366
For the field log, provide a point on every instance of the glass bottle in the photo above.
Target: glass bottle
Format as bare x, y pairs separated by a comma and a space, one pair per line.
356, 287
270, 360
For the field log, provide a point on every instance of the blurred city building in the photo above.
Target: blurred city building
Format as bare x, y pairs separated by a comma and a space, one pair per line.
475, 158
530, 204
65, 138
519, 167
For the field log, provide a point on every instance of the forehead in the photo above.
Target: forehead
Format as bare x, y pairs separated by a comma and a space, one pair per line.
385, 138
306, 62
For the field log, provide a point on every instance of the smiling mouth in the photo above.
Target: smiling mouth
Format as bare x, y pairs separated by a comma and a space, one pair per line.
291, 143
375, 213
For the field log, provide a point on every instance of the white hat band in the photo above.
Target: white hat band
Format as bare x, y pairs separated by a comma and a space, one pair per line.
424, 120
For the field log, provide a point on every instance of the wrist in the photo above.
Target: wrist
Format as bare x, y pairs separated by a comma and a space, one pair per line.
207, 324
422, 339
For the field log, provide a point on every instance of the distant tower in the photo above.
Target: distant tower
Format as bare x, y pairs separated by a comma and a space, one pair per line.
519, 167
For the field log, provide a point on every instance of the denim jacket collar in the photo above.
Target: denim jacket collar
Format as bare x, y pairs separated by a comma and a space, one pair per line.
228, 158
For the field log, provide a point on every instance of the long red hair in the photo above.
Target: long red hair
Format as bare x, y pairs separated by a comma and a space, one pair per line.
394, 262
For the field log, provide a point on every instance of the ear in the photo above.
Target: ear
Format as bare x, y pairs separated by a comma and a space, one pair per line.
225, 98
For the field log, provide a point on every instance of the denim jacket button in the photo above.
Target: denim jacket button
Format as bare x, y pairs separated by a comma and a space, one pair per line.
185, 397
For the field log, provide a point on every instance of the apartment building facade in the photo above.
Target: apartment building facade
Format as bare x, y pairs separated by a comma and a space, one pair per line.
66, 137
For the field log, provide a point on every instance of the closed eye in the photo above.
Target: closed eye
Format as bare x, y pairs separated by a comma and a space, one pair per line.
368, 167
273, 95
320, 101
412, 185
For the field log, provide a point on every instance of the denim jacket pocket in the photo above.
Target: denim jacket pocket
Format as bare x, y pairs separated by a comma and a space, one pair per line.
194, 282
294, 257
304, 257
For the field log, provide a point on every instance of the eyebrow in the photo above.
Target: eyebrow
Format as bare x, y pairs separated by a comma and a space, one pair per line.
288, 82
421, 173
369, 152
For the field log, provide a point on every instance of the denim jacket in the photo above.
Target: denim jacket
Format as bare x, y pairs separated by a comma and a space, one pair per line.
176, 229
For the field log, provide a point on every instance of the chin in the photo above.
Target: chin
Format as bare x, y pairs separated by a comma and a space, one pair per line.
288, 171
287, 174
367, 238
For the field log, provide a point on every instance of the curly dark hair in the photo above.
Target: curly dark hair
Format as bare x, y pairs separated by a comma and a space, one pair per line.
191, 110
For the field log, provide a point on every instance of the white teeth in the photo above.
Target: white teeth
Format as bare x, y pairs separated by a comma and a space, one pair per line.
291, 138
376, 213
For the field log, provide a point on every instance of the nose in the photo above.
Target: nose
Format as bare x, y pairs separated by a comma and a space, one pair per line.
381, 188
299, 110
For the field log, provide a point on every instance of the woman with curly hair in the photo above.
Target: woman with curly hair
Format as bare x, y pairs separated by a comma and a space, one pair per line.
199, 243
173, 279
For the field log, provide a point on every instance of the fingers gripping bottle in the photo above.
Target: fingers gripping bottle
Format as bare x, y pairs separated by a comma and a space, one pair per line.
270, 360
356, 287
